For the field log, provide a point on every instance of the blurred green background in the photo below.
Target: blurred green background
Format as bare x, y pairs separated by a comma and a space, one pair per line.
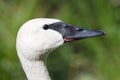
89, 59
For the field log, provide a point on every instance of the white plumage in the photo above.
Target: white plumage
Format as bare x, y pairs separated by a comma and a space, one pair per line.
34, 42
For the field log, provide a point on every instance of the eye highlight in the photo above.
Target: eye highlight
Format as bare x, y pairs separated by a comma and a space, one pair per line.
46, 27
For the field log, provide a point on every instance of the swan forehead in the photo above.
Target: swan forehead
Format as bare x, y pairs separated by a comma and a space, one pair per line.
40, 22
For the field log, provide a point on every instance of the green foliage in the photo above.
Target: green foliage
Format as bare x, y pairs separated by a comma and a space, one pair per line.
90, 59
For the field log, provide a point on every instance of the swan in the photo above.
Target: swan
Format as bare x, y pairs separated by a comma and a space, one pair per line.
37, 37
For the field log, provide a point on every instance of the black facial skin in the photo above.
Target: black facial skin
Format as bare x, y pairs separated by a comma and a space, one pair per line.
71, 33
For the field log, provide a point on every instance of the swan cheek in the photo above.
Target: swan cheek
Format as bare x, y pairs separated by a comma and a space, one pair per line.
53, 39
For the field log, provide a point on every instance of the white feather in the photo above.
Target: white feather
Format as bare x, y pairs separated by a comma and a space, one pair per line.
33, 43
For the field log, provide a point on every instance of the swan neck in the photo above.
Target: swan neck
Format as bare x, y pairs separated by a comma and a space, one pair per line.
35, 70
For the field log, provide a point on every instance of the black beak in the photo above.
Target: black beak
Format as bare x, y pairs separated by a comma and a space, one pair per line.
71, 33
82, 34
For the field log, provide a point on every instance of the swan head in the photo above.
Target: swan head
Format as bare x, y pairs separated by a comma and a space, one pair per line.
39, 36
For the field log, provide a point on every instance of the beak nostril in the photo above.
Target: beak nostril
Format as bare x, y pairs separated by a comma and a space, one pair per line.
80, 29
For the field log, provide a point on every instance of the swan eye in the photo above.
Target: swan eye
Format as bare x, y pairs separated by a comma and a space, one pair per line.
46, 27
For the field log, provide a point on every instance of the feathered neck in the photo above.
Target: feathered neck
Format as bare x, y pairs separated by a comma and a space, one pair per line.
35, 69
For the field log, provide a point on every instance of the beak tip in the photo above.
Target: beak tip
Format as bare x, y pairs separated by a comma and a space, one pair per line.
102, 32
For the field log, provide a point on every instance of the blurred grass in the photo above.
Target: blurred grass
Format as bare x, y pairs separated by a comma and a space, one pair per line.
90, 59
